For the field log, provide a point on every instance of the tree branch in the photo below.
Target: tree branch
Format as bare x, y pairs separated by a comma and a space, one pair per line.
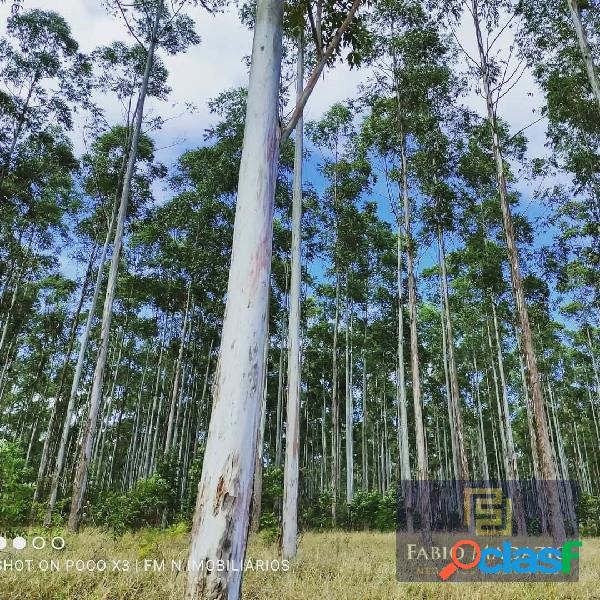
314, 77
313, 28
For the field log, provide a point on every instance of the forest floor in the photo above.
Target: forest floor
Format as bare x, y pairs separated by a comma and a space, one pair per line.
329, 566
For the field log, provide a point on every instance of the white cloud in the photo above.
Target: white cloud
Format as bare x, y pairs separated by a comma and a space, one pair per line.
217, 64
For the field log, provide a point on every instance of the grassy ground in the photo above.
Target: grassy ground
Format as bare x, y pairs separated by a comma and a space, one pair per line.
329, 566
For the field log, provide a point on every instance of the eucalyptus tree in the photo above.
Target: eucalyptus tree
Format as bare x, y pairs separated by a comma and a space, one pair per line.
291, 472
35, 154
226, 483
548, 44
410, 56
575, 9
45, 195
436, 169
102, 181
335, 135
497, 78
43, 50
153, 25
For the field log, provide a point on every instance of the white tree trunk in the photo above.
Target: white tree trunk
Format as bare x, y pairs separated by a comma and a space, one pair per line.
349, 403
584, 46
292, 435
175, 392
258, 464
221, 518
533, 376
457, 425
83, 344
422, 463
403, 443
335, 408
81, 476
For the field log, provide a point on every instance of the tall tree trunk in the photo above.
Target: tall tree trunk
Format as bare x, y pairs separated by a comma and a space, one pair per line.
292, 434
152, 424
422, 468
463, 468
260, 444
57, 399
484, 459
335, 407
280, 382
364, 450
403, 444
81, 476
201, 404
83, 344
323, 438
556, 521
222, 509
512, 471
452, 405
175, 392
448, 390
584, 46
349, 402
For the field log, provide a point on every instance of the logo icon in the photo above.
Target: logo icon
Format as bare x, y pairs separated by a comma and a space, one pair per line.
488, 511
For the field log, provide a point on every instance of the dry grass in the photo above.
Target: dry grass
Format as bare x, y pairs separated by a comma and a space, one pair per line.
329, 566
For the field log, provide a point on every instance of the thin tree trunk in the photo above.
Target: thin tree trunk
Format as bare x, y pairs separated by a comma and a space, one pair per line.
279, 432
292, 434
422, 468
364, 451
512, 471
152, 424
323, 439
258, 467
175, 393
201, 404
533, 377
584, 46
335, 409
81, 477
484, 459
349, 403
57, 400
463, 468
458, 486
403, 444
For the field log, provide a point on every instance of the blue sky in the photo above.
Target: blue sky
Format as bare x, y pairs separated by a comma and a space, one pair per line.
218, 64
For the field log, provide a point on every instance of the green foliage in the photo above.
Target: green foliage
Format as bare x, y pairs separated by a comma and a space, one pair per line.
193, 479
16, 487
269, 526
145, 505
317, 514
588, 514
272, 490
372, 510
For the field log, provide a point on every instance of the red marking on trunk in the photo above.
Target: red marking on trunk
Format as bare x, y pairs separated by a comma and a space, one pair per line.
220, 495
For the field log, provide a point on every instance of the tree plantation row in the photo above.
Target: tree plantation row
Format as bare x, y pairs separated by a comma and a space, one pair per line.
259, 347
